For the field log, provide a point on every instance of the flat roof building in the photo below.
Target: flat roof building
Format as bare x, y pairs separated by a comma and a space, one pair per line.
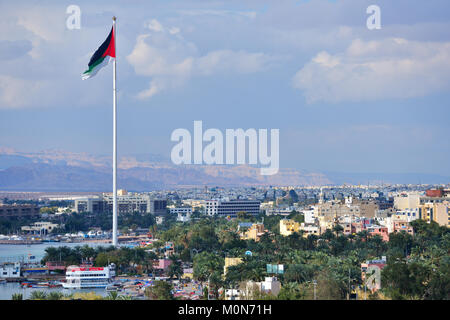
231, 208
19, 211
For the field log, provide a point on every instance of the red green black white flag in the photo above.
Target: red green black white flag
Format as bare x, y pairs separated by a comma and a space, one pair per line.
104, 54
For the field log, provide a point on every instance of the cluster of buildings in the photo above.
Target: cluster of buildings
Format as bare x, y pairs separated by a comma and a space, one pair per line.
247, 290
377, 216
129, 202
378, 209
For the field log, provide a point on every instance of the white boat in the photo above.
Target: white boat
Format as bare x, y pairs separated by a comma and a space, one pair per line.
79, 277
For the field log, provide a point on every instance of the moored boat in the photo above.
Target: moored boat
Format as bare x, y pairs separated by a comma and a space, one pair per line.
88, 277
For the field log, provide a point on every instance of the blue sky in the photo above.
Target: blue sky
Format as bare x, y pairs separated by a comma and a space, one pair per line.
345, 98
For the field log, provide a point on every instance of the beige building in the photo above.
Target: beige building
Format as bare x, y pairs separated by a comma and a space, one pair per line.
332, 210
436, 211
288, 227
229, 262
406, 201
367, 208
329, 211
195, 204
40, 228
254, 232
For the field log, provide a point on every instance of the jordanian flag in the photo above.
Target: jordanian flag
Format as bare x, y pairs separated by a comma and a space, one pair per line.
101, 57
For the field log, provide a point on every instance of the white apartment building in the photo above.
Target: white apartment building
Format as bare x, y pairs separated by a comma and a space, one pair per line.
309, 215
180, 210
211, 207
183, 213
230, 208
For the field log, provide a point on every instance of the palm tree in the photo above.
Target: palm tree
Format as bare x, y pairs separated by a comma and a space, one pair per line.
68, 296
38, 295
17, 296
363, 235
113, 295
55, 296
338, 229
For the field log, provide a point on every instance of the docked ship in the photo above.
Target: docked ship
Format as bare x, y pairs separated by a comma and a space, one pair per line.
85, 276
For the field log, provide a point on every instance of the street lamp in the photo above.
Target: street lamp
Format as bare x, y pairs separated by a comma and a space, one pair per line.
315, 283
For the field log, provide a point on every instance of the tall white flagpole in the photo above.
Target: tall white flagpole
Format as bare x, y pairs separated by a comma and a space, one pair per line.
114, 236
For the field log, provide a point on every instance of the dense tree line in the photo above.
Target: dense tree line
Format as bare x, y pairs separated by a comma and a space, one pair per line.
127, 260
75, 222
13, 225
417, 266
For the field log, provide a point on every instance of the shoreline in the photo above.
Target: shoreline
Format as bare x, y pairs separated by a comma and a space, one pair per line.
33, 242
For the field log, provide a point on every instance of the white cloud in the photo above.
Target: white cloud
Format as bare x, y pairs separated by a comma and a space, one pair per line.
154, 25
45, 22
170, 60
12, 91
384, 69
158, 55
174, 30
233, 61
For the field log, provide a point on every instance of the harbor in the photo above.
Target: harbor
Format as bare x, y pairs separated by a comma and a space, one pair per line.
36, 277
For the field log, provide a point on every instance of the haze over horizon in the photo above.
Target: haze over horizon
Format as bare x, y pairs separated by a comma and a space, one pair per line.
57, 170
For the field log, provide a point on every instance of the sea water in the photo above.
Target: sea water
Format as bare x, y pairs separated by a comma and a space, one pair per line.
12, 252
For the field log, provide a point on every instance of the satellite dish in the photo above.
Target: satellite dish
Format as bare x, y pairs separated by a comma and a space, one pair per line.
248, 253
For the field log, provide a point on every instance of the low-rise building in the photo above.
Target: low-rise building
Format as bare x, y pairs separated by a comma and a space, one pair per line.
310, 229
162, 264
288, 227
399, 226
182, 210
248, 290
10, 270
278, 211
378, 230
19, 211
229, 262
41, 228
254, 232
437, 211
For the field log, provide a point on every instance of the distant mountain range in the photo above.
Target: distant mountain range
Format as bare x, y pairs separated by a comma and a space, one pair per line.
56, 170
